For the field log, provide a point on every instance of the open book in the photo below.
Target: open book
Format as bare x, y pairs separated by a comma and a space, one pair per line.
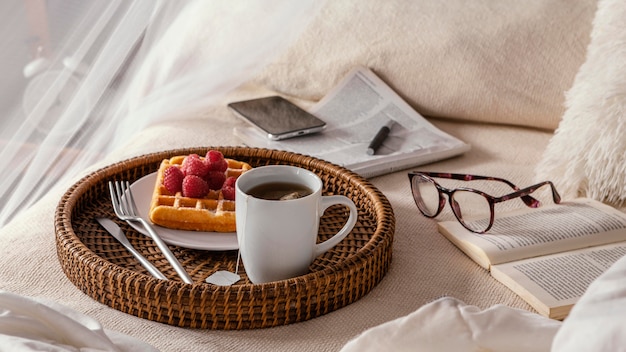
549, 255
354, 111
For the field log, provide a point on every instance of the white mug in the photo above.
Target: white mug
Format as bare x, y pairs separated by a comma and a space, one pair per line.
277, 238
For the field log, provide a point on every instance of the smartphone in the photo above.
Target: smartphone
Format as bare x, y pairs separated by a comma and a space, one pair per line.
277, 117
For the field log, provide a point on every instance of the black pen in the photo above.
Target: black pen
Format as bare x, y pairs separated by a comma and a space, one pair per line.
379, 138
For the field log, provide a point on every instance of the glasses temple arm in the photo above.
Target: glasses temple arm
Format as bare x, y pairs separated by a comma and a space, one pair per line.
526, 191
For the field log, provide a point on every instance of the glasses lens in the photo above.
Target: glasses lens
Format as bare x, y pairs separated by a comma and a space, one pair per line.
472, 209
426, 195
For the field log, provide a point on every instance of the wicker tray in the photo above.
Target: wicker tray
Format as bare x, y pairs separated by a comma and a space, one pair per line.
99, 266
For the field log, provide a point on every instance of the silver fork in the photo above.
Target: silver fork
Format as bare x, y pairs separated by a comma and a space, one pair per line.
125, 209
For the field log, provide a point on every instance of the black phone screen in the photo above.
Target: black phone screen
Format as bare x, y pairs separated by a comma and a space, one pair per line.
278, 117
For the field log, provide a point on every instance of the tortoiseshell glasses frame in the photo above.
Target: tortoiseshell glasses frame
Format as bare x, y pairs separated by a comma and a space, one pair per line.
420, 179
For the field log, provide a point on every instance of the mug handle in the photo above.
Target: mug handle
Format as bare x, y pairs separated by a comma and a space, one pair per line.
327, 201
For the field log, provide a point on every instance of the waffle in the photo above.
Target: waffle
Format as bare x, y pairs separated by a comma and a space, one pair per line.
212, 213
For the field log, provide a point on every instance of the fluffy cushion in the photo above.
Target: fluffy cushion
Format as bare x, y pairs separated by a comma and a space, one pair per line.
494, 61
587, 155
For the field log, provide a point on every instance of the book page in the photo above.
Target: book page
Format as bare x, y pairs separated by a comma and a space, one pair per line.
557, 280
529, 232
354, 111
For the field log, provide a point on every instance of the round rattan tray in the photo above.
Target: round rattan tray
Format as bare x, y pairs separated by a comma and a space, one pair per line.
99, 266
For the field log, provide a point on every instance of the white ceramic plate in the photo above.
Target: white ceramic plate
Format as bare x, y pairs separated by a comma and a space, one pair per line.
212, 241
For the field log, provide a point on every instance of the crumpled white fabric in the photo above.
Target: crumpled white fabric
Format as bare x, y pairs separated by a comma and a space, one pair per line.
596, 323
29, 325
448, 324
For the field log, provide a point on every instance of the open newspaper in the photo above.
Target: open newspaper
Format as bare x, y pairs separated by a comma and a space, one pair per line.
550, 255
354, 111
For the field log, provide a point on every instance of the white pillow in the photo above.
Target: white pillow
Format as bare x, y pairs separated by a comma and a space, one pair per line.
587, 154
506, 61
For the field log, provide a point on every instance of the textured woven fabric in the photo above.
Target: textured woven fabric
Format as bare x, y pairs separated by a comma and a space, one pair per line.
499, 62
425, 265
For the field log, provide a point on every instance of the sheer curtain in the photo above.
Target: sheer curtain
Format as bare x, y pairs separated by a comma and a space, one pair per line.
78, 77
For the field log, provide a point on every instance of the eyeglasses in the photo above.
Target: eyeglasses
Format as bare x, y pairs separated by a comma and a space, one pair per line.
429, 197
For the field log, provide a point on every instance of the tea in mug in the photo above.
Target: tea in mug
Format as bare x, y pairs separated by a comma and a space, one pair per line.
279, 191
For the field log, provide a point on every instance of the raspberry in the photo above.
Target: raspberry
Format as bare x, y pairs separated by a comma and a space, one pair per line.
228, 189
230, 182
228, 193
193, 165
214, 155
173, 179
215, 161
215, 179
194, 187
